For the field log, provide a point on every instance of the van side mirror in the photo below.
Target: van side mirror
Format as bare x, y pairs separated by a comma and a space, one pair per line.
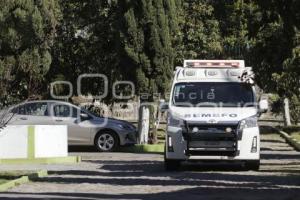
263, 106
163, 106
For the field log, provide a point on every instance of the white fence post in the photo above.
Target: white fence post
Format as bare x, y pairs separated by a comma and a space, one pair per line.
144, 123
287, 112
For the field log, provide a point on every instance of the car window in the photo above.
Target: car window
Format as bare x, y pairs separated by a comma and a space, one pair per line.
35, 109
85, 112
64, 111
15, 110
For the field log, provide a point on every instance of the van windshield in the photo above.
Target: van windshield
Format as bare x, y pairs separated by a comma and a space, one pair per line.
213, 94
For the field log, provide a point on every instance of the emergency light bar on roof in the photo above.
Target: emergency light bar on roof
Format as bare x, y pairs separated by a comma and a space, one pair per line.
214, 64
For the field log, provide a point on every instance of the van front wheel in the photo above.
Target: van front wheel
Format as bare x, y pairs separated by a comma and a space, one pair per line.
252, 165
170, 164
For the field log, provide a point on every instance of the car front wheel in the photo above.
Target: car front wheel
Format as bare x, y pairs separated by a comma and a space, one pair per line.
106, 141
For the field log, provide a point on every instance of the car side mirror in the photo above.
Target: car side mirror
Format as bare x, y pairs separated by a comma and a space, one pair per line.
263, 106
163, 106
84, 116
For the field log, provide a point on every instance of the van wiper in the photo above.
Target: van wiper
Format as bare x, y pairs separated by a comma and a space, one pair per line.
181, 105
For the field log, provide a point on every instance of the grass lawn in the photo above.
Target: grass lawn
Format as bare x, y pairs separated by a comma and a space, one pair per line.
14, 174
3, 181
144, 148
9, 179
6, 176
293, 131
296, 135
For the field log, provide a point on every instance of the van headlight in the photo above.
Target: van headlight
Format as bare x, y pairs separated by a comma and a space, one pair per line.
175, 121
249, 122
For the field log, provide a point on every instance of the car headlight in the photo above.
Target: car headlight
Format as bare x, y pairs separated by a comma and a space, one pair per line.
249, 122
126, 126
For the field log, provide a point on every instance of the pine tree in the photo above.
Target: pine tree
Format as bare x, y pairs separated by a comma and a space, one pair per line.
27, 31
86, 43
147, 31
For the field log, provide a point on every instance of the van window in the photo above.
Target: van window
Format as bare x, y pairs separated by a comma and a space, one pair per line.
213, 94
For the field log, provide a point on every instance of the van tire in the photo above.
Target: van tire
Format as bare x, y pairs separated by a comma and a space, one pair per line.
252, 165
170, 164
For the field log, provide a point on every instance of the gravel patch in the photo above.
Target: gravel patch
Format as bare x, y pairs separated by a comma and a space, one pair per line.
141, 176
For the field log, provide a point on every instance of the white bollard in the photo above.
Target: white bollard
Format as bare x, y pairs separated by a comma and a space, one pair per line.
144, 124
287, 112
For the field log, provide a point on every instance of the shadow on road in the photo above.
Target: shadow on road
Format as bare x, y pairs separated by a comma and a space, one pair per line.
279, 178
82, 149
205, 184
209, 181
190, 193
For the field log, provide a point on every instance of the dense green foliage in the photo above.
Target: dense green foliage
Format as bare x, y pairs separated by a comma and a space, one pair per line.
200, 34
27, 32
146, 38
142, 41
86, 43
276, 53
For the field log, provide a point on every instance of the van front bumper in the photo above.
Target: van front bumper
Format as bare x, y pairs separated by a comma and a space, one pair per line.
248, 146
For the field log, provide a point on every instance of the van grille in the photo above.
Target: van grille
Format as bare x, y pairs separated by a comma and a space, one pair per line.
211, 139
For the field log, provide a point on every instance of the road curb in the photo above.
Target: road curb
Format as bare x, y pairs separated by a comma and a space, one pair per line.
290, 140
23, 179
58, 160
145, 148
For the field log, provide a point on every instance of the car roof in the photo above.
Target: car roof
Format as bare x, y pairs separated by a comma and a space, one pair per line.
45, 101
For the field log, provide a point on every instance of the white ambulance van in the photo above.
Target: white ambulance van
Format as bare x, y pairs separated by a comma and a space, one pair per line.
212, 114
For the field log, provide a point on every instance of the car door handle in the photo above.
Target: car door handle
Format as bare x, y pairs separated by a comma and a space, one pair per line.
23, 118
59, 120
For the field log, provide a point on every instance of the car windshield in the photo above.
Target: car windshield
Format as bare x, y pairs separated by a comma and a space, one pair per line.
212, 94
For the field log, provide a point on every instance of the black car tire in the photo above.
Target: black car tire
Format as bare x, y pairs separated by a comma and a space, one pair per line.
106, 141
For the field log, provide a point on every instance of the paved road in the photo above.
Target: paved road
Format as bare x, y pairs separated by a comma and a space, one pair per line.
141, 176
